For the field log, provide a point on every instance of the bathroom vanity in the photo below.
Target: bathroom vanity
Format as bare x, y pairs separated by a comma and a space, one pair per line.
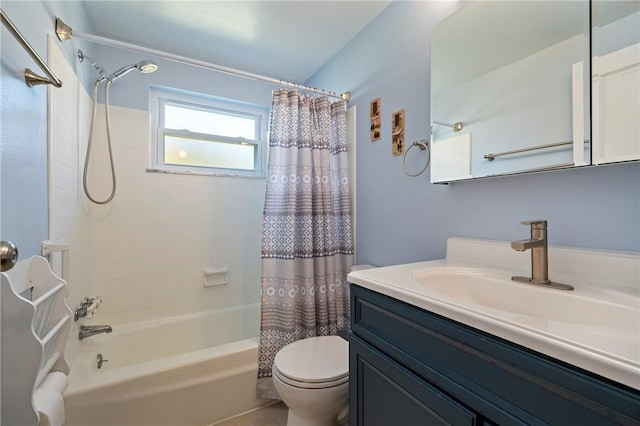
455, 341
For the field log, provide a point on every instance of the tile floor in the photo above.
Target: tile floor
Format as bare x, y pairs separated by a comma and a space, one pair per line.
273, 415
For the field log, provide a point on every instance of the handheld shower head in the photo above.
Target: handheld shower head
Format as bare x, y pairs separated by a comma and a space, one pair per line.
121, 72
145, 67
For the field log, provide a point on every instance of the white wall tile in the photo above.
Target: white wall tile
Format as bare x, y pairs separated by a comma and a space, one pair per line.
69, 222
145, 251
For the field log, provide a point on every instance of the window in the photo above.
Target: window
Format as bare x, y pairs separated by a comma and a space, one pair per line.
199, 134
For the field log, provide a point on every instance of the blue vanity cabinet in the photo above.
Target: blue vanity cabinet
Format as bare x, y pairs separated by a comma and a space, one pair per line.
410, 367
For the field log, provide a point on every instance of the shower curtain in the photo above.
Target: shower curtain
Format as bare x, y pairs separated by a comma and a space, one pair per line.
307, 241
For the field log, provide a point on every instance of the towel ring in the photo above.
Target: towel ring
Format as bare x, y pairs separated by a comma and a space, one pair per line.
423, 145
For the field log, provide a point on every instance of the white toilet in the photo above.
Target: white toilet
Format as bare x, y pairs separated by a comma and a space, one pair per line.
312, 378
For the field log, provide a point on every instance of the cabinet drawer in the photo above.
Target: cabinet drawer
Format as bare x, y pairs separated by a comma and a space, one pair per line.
389, 394
502, 381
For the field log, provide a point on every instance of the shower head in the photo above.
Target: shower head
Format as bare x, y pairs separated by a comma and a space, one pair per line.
145, 67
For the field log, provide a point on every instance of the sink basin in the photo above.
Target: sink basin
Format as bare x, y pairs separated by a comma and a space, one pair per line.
583, 320
494, 290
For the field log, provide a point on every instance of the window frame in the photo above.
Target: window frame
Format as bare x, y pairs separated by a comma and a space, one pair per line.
159, 97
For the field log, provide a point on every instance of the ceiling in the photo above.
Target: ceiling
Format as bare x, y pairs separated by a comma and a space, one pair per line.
287, 40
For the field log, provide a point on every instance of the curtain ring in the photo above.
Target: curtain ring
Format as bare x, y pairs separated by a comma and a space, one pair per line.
423, 145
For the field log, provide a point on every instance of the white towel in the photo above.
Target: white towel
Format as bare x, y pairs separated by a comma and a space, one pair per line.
56, 381
50, 405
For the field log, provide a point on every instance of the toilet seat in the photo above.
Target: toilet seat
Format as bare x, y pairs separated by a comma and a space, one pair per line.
308, 385
313, 363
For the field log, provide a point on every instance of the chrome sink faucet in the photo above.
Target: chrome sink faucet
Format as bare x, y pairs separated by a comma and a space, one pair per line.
539, 256
92, 330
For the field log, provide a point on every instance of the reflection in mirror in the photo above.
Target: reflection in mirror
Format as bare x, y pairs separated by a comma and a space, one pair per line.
515, 73
616, 81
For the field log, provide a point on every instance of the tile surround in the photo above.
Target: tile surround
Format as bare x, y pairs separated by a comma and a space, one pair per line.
144, 252
69, 223
162, 230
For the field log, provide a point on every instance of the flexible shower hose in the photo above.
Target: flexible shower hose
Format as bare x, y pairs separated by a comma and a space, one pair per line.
91, 129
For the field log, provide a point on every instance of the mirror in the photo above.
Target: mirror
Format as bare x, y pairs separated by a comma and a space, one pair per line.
616, 81
515, 74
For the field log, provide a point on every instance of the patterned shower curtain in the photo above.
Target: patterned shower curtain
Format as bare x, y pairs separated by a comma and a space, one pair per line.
307, 242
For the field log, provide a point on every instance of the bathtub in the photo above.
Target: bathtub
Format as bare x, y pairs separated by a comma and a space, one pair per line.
191, 370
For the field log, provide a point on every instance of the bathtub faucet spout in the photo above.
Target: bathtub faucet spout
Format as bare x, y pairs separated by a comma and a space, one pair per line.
92, 330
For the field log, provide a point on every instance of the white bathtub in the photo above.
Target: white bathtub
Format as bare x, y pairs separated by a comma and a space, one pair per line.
188, 370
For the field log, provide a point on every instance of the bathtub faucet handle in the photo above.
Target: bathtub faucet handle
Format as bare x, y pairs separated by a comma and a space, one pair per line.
82, 310
87, 307
79, 313
86, 302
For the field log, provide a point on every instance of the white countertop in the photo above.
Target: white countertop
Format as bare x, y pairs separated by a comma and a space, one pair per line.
610, 348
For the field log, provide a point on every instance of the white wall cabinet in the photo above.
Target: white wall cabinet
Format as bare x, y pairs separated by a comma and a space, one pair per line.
616, 106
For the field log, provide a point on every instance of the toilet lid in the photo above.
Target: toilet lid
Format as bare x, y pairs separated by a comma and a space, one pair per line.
314, 360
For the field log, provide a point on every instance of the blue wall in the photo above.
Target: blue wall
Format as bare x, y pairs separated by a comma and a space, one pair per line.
23, 110
23, 114
23, 163
402, 219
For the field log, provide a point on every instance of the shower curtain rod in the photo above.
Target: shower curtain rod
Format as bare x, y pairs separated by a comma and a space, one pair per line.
64, 32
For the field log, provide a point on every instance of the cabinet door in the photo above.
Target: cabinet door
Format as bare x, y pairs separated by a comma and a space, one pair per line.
383, 393
616, 106
504, 382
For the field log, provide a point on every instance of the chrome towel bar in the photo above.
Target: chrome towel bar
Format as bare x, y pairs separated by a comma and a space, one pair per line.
492, 157
31, 78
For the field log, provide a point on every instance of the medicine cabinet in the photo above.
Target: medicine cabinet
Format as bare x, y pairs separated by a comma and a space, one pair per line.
518, 87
